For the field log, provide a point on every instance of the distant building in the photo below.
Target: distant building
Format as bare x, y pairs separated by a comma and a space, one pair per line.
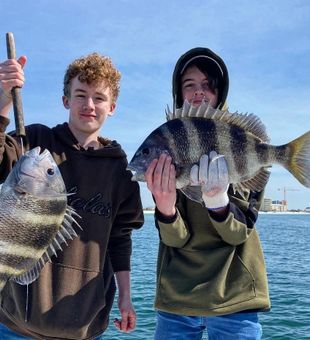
307, 209
276, 206
266, 205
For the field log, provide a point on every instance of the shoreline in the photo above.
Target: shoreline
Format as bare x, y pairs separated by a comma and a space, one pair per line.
284, 212
260, 212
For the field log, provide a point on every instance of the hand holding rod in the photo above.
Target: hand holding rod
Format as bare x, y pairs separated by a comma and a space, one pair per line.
16, 91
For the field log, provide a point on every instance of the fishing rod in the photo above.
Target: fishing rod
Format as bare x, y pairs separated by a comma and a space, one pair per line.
16, 94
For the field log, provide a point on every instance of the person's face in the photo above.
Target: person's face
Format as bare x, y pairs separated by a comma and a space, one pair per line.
89, 106
195, 87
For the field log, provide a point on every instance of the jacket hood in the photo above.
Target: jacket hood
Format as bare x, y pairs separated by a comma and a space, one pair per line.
109, 149
218, 69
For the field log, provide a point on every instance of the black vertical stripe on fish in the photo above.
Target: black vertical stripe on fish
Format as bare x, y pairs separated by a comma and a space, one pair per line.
180, 140
262, 152
207, 133
212, 135
162, 136
238, 146
282, 152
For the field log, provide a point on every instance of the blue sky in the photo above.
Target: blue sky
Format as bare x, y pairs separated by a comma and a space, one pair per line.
265, 44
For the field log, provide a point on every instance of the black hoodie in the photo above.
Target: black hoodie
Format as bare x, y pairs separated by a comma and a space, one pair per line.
217, 69
73, 295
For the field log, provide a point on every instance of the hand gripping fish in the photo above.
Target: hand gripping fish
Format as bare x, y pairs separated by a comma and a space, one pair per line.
191, 132
35, 219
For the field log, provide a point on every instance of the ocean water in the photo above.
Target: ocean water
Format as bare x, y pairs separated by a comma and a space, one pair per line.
286, 242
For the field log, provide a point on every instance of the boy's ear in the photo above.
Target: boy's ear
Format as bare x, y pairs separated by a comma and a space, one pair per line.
65, 101
112, 108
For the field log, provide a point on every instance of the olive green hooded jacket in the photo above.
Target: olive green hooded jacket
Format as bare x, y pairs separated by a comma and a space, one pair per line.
209, 266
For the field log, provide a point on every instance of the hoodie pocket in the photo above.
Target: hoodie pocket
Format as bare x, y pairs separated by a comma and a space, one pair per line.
205, 280
63, 303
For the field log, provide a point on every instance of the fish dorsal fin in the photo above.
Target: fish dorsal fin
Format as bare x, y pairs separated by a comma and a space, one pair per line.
248, 122
65, 233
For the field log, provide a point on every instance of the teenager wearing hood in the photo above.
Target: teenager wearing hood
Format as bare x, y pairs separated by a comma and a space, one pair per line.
211, 272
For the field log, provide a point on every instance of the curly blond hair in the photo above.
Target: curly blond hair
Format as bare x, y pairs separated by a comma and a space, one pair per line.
93, 68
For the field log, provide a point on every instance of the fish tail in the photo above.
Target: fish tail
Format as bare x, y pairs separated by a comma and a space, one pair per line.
298, 160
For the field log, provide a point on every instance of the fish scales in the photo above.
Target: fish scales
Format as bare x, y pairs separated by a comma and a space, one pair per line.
35, 219
211, 136
40, 217
242, 138
187, 139
238, 146
16, 251
16, 261
263, 152
195, 137
179, 142
40, 229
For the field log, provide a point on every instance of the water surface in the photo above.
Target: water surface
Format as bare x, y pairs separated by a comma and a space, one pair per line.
286, 242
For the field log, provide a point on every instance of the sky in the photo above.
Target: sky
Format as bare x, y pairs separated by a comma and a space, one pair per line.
265, 45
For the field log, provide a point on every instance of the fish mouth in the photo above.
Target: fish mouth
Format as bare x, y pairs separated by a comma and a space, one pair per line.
37, 154
137, 174
27, 174
43, 154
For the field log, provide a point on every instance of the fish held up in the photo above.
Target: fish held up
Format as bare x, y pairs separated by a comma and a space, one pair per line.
35, 219
192, 131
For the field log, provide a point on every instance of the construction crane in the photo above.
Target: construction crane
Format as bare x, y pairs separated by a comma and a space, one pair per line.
285, 189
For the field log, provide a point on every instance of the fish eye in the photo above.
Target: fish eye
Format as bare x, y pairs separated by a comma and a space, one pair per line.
145, 151
50, 171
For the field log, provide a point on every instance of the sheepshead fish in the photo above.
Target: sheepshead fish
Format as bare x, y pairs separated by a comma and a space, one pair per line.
35, 220
191, 132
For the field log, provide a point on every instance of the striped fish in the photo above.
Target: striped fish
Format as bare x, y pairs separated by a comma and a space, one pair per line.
191, 132
35, 220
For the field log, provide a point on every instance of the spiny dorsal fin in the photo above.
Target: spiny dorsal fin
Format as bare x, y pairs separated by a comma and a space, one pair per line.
248, 122
66, 232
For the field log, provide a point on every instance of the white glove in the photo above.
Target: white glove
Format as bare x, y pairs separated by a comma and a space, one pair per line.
212, 175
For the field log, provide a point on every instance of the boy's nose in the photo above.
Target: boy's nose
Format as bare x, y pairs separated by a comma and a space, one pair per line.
89, 103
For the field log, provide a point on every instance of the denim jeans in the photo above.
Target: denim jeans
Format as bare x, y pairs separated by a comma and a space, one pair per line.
239, 326
7, 334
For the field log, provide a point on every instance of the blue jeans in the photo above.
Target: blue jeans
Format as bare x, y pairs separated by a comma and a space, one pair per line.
7, 334
238, 326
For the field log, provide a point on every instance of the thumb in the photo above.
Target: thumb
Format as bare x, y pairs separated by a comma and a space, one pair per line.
22, 60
